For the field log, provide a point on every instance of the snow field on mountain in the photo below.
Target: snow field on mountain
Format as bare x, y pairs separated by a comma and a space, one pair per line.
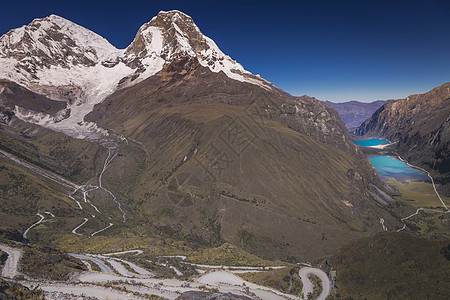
108, 65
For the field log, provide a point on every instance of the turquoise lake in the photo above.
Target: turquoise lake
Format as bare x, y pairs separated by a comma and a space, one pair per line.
371, 142
387, 167
390, 167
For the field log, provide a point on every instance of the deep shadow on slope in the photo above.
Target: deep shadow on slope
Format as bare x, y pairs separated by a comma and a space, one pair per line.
12, 94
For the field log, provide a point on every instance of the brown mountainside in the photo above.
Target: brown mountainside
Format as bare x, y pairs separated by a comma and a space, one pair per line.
393, 265
228, 160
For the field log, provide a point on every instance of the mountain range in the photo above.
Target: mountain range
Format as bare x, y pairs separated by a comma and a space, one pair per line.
172, 141
64, 61
354, 113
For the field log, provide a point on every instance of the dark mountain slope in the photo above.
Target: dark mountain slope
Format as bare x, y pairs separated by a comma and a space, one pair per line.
13, 95
186, 82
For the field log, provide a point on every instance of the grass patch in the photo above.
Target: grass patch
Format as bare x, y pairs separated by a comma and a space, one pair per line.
420, 194
392, 265
13, 290
317, 289
227, 255
285, 280
48, 263
430, 224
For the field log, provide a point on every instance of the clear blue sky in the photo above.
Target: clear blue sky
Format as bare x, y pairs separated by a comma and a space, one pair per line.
333, 50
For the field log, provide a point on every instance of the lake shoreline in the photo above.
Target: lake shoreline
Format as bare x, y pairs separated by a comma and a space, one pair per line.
413, 184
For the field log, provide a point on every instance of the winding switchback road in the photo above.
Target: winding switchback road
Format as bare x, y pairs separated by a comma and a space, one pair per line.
106, 164
224, 280
124, 252
74, 231
308, 287
28, 229
103, 229
10, 269
100, 263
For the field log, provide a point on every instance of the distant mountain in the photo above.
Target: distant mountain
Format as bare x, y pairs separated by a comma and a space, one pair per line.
420, 124
353, 113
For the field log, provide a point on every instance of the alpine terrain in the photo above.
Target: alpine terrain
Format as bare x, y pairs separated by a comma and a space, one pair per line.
172, 156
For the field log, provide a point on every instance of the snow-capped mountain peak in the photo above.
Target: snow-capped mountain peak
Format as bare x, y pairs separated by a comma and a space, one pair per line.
173, 34
85, 38
55, 41
64, 61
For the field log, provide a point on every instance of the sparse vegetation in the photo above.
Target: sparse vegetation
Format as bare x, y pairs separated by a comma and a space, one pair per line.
12, 290
48, 263
317, 286
419, 194
285, 280
227, 255
392, 266
429, 224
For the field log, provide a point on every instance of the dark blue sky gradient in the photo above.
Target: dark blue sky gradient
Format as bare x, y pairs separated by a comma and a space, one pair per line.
333, 50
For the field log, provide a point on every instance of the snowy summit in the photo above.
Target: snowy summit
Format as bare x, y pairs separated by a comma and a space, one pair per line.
64, 61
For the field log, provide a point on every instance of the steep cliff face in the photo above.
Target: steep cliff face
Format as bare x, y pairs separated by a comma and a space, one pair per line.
16, 99
172, 35
420, 124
